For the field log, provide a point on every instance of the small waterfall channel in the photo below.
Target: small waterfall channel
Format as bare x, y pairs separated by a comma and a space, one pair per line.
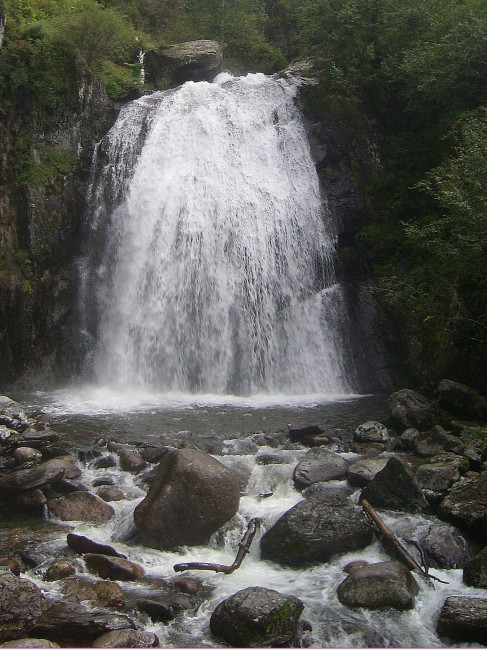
210, 262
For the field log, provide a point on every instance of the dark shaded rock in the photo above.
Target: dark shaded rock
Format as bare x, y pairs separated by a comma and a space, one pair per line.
114, 568
27, 455
12, 415
191, 497
395, 488
145, 479
191, 61
162, 609
257, 618
321, 490
127, 639
70, 626
444, 547
66, 486
26, 479
30, 643
436, 441
32, 501
371, 431
461, 400
100, 592
319, 465
110, 493
362, 471
131, 461
314, 530
405, 442
297, 433
81, 544
374, 586
270, 459
21, 605
155, 454
475, 570
190, 585
32, 559
103, 480
13, 563
466, 506
59, 570
410, 409
80, 506
464, 619
105, 462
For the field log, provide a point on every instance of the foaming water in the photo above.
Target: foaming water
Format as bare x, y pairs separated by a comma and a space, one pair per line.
211, 251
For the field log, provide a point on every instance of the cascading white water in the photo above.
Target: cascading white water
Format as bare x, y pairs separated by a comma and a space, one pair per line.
214, 269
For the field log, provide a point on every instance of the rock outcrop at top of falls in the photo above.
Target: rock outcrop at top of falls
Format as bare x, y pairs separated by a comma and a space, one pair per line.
191, 497
190, 61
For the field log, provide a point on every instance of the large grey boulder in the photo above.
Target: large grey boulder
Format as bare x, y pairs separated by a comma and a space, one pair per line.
371, 431
127, 639
12, 415
464, 619
375, 586
314, 530
410, 409
466, 506
21, 605
436, 441
190, 498
395, 488
190, 61
257, 618
461, 400
317, 465
475, 570
362, 471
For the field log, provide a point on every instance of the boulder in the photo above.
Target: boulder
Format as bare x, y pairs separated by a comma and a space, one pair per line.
371, 431
374, 586
298, 433
466, 506
131, 461
354, 565
127, 639
110, 493
190, 498
461, 400
444, 547
21, 605
100, 592
322, 490
405, 442
436, 441
105, 462
38, 476
5, 434
362, 471
59, 570
12, 415
69, 626
314, 530
190, 61
410, 409
395, 488
81, 544
114, 568
438, 476
317, 465
27, 455
464, 619
257, 618
162, 609
80, 506
475, 570
32, 501
30, 643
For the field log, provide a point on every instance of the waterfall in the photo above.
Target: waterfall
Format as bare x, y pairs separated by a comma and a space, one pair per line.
210, 248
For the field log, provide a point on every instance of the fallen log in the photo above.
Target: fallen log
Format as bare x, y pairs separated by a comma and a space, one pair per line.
244, 549
393, 545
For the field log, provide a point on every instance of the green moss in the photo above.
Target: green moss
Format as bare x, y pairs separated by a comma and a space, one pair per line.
479, 433
279, 620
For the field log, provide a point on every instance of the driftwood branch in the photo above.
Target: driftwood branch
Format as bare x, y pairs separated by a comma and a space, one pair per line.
393, 545
244, 549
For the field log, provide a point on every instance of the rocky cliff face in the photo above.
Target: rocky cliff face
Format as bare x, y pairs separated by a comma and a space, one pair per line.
44, 165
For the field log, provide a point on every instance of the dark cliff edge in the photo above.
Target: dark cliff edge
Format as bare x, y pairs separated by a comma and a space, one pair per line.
45, 163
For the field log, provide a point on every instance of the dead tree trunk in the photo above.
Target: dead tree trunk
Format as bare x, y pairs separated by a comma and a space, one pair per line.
244, 548
393, 545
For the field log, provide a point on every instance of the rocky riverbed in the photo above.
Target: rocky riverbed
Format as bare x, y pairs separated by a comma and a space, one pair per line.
91, 533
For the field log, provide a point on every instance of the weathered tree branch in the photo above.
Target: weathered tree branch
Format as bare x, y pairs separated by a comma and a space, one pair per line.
244, 548
393, 545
